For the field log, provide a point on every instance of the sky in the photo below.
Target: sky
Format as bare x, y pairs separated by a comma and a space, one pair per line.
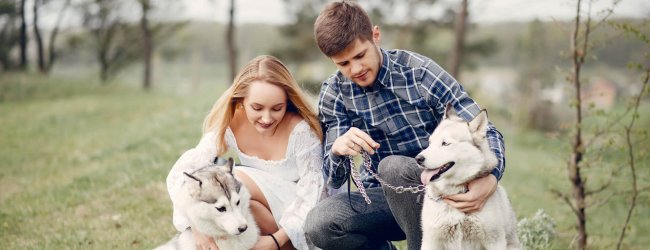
482, 11
275, 12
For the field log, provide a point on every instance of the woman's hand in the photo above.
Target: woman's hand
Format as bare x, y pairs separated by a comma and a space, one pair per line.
479, 191
204, 242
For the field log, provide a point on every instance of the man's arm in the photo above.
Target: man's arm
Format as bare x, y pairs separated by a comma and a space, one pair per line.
442, 88
335, 123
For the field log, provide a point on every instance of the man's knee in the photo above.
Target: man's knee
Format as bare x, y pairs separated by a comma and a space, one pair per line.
316, 226
395, 167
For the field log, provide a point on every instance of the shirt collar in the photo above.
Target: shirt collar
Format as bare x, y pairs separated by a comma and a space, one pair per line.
383, 69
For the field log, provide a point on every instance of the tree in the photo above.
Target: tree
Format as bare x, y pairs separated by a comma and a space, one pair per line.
535, 74
23, 36
631, 132
589, 140
301, 47
460, 24
45, 63
9, 35
147, 43
154, 33
115, 41
230, 41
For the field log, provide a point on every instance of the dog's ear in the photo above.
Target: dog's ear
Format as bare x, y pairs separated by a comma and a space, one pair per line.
450, 112
478, 125
194, 178
229, 165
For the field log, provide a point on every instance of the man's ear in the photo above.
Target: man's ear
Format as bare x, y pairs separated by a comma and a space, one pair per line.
376, 35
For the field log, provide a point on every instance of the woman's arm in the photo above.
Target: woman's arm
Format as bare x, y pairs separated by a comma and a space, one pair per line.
201, 155
309, 187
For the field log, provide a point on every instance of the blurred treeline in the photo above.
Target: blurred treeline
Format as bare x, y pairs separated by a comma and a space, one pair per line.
500, 63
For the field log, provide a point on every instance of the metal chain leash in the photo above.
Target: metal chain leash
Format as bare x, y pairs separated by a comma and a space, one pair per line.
367, 163
357, 180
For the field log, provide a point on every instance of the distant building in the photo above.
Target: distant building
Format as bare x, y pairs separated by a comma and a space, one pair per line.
602, 93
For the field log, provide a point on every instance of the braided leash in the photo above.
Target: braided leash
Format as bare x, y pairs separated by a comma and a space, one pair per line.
367, 163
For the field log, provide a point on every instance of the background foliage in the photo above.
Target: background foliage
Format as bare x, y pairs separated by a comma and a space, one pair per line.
83, 164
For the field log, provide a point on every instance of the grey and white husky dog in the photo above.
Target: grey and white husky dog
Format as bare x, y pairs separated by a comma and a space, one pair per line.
458, 152
216, 204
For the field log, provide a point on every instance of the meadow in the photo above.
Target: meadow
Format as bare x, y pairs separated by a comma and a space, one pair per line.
83, 166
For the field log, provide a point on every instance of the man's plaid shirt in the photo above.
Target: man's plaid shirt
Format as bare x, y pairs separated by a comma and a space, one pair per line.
399, 111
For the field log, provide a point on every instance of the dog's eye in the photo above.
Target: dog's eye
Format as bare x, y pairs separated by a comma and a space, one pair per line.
221, 209
444, 143
238, 203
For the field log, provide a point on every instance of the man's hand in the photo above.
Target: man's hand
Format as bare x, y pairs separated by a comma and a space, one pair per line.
352, 142
479, 191
204, 242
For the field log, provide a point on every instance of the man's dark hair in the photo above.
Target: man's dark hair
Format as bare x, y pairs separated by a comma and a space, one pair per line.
339, 24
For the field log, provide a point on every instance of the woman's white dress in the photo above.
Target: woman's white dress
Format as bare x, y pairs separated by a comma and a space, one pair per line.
292, 186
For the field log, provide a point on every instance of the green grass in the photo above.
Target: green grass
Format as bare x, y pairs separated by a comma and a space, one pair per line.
84, 166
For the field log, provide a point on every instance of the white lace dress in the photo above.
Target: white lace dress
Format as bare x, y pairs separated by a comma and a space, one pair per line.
292, 186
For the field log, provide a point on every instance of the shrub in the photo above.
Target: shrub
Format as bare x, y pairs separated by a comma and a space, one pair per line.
536, 232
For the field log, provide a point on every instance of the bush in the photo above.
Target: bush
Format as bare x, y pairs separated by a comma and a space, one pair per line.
537, 232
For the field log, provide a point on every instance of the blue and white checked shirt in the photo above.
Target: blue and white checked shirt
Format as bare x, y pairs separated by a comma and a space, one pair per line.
399, 111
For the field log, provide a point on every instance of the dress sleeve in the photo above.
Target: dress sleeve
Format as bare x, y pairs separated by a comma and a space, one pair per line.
203, 154
309, 188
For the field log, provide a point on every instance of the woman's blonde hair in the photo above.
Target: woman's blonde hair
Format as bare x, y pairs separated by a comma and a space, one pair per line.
263, 68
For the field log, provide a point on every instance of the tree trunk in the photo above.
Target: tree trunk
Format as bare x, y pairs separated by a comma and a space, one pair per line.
104, 64
39, 39
23, 36
578, 146
53, 36
230, 41
147, 46
459, 44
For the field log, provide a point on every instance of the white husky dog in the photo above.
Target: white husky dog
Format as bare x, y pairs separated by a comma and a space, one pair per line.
216, 204
458, 152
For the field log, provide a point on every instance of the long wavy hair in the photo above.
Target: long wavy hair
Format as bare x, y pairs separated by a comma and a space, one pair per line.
263, 68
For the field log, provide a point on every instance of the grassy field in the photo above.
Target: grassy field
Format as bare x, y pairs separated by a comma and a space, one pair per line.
83, 167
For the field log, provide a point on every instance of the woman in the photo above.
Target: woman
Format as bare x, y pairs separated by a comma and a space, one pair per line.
266, 120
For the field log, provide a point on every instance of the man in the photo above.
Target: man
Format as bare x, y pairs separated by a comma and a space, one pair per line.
387, 103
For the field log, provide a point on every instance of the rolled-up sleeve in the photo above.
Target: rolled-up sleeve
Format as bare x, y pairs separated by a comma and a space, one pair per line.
442, 89
335, 123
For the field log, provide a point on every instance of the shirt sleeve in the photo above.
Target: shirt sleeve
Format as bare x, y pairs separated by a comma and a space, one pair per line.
203, 154
335, 123
309, 187
442, 88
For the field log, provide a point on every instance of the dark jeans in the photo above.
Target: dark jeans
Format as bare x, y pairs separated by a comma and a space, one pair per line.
332, 224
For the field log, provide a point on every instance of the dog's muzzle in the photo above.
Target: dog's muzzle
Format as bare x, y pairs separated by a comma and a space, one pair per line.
429, 175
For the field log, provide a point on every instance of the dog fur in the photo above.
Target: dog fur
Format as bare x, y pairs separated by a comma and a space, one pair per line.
217, 205
458, 152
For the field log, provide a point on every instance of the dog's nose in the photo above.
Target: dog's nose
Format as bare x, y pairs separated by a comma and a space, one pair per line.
242, 228
419, 159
